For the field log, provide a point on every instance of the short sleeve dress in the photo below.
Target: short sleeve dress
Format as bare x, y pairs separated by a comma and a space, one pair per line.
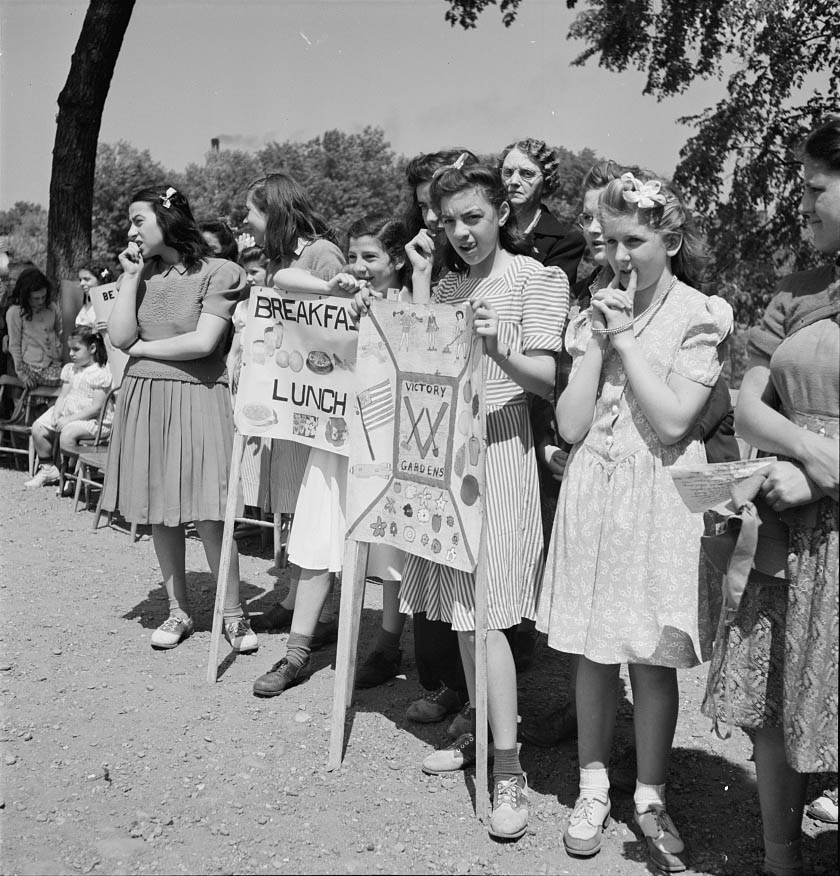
623, 568
532, 301
777, 664
172, 439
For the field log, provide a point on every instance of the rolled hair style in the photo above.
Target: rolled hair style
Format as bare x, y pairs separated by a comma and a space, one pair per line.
422, 169
600, 175
289, 215
253, 254
176, 222
671, 218
392, 236
90, 338
451, 180
823, 144
541, 154
102, 272
30, 280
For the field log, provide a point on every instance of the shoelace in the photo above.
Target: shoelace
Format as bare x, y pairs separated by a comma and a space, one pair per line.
238, 628
435, 695
664, 824
170, 625
463, 742
583, 809
508, 791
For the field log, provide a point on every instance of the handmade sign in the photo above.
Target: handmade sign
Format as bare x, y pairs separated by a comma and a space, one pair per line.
103, 298
298, 377
416, 474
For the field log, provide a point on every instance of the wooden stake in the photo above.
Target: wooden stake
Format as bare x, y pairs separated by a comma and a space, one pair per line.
224, 560
349, 620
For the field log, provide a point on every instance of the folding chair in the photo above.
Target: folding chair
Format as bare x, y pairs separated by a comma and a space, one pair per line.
30, 405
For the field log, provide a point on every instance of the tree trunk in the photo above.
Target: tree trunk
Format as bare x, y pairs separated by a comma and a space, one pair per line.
80, 107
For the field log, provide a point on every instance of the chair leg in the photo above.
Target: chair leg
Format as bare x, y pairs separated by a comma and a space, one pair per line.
133, 532
98, 513
80, 472
31, 457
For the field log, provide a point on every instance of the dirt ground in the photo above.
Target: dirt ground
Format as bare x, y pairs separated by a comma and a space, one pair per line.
119, 759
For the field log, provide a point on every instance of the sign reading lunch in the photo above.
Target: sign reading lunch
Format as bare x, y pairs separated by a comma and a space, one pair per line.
298, 359
416, 473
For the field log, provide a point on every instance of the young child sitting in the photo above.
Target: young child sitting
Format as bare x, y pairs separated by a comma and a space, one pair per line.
85, 382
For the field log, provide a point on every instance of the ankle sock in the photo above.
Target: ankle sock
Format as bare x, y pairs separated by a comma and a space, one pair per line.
388, 644
595, 785
230, 614
647, 795
506, 765
298, 648
783, 859
177, 609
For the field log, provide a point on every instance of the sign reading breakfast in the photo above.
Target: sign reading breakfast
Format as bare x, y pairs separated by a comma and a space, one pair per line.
298, 361
417, 448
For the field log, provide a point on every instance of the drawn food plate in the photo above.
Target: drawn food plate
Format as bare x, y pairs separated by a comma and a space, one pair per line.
319, 362
259, 415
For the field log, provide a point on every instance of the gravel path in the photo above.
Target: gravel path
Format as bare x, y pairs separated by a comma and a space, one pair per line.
119, 759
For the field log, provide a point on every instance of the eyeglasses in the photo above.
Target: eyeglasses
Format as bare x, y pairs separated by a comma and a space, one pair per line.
525, 173
584, 220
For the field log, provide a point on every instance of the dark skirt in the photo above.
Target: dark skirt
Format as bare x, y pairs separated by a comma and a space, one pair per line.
170, 451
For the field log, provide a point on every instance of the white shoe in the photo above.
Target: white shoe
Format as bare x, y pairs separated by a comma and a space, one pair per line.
241, 637
46, 475
824, 808
172, 632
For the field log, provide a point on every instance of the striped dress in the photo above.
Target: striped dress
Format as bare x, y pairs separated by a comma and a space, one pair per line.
532, 302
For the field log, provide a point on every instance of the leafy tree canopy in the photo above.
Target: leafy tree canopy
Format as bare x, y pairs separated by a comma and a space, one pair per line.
739, 168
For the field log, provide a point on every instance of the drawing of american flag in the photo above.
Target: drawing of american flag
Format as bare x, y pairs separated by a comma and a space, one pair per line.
377, 405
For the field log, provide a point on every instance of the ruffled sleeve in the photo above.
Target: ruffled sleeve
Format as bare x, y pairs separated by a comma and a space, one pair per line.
545, 305
578, 335
101, 378
699, 357
226, 284
66, 372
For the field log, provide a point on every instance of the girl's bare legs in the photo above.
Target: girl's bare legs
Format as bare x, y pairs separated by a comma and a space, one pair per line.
781, 793
42, 441
313, 589
656, 702
169, 548
210, 532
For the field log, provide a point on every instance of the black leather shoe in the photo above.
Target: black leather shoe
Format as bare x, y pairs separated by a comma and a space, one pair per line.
278, 617
281, 676
378, 668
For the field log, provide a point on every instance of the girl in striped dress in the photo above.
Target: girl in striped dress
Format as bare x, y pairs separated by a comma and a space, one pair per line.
519, 308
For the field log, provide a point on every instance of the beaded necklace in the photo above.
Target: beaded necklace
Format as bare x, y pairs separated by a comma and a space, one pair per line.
654, 305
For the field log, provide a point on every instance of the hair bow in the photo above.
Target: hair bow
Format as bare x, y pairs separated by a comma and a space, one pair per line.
644, 195
166, 199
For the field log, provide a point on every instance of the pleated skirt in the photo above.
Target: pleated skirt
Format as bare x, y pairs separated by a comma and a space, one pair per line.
514, 538
170, 450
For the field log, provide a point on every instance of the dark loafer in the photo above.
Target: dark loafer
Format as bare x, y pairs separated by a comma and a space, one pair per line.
281, 676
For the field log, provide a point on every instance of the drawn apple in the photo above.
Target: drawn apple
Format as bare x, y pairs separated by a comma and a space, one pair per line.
296, 360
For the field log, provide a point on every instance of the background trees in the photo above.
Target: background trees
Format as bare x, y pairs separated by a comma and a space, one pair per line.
780, 60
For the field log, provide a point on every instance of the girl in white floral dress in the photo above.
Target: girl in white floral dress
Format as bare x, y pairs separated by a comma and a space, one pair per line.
621, 581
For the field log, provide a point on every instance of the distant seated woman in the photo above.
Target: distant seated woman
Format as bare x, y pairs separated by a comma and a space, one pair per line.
530, 171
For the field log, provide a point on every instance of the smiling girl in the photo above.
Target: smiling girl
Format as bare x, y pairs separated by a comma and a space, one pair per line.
171, 445
91, 275
519, 307
622, 568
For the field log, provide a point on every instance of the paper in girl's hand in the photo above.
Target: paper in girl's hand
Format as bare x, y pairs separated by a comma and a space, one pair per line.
703, 487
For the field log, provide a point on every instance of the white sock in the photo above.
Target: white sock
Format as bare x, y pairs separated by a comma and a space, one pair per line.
595, 785
648, 795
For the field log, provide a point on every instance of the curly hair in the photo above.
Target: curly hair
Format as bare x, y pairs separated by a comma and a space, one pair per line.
392, 236
671, 219
422, 169
542, 155
176, 222
451, 180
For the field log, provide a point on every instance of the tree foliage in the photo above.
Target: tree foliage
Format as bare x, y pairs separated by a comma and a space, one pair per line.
24, 232
739, 168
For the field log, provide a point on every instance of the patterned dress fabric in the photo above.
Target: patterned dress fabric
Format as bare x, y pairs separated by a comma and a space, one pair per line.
624, 573
532, 302
777, 666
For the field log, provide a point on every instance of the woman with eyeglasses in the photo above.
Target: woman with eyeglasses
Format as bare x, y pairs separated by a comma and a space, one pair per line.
530, 172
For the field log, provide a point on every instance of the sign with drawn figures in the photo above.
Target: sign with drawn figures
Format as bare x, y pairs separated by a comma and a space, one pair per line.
298, 377
416, 473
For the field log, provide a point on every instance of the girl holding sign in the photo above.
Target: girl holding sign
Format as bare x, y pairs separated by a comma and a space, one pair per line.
519, 307
623, 565
171, 444
91, 275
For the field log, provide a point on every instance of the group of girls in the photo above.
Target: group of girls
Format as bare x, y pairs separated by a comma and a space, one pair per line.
620, 582
34, 341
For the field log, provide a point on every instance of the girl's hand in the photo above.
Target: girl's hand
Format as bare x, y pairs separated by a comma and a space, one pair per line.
615, 304
787, 485
420, 251
243, 241
101, 327
344, 283
361, 301
29, 381
486, 324
131, 260
555, 460
822, 462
